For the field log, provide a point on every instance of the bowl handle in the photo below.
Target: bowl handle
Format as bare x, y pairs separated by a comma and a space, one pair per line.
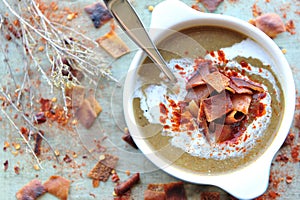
171, 12
249, 182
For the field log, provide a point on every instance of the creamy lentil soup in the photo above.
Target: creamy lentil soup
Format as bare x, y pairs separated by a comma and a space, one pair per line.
193, 134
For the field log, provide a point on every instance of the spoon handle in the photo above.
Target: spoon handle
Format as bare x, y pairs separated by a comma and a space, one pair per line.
126, 16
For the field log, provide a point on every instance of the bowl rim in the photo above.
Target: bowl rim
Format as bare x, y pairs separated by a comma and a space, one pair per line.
263, 162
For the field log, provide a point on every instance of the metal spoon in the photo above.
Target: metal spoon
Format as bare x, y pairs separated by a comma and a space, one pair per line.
125, 15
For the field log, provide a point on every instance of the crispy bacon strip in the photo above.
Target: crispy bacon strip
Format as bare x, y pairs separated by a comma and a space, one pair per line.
201, 119
193, 108
58, 186
223, 132
234, 117
31, 191
247, 84
198, 93
203, 69
217, 106
241, 102
217, 80
235, 89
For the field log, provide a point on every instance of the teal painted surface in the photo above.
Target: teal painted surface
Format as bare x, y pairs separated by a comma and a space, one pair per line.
111, 121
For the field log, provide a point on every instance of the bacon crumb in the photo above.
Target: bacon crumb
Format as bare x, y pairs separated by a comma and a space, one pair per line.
256, 11
93, 195
115, 178
289, 179
95, 183
17, 170
5, 165
295, 153
290, 27
67, 159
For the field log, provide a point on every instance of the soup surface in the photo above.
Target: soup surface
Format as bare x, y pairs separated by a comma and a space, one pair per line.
193, 131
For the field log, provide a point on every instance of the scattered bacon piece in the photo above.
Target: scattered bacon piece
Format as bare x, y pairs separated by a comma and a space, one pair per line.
94, 104
58, 186
98, 14
31, 190
76, 96
86, 114
127, 138
175, 191
155, 192
211, 5
168, 191
113, 44
217, 106
271, 24
38, 142
102, 170
122, 188
210, 196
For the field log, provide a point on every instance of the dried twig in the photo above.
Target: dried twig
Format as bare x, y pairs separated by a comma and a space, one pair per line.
20, 133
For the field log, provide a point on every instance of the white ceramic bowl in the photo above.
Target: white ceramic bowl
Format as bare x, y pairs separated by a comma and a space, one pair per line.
244, 183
